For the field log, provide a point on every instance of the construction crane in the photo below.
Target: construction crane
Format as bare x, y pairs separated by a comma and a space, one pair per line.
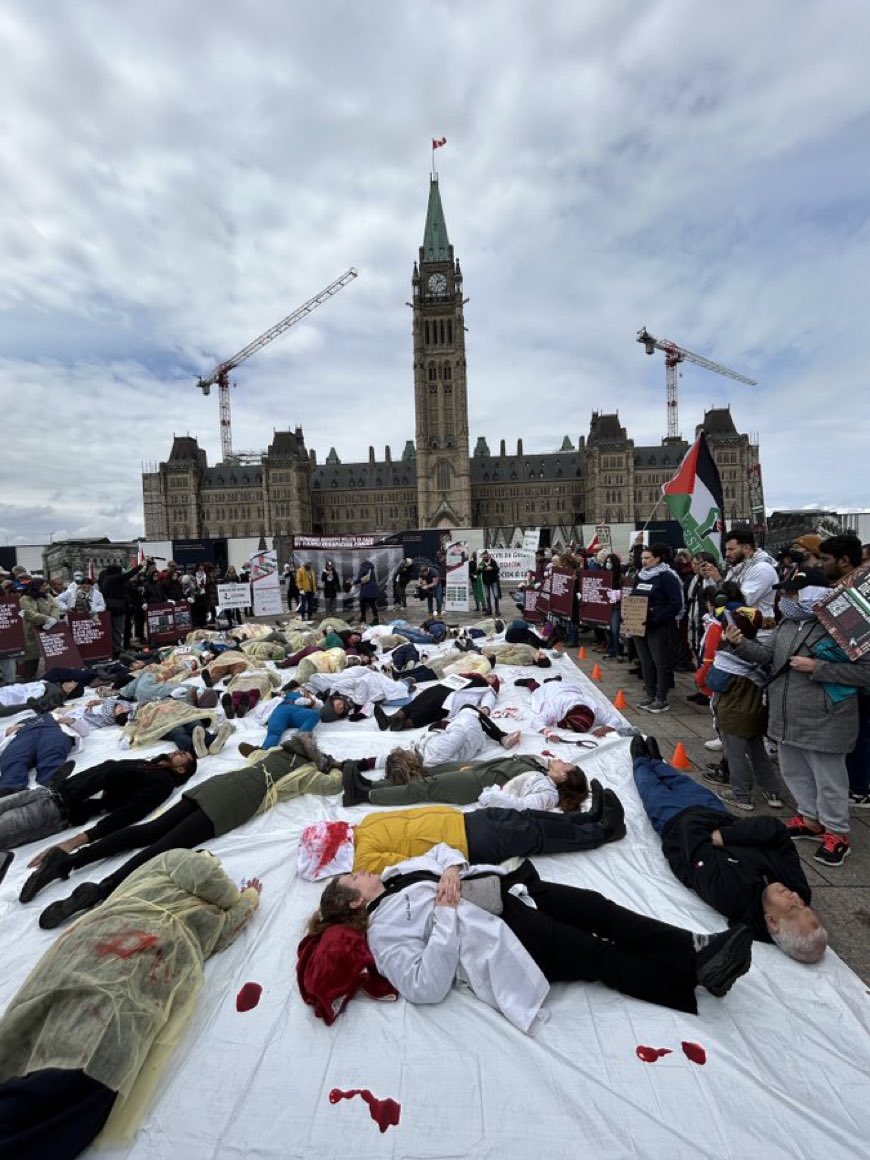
221, 373
674, 355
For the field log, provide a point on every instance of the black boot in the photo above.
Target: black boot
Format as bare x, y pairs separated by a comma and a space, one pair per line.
84, 897
355, 788
6, 857
722, 959
62, 772
56, 864
612, 817
382, 719
639, 747
227, 706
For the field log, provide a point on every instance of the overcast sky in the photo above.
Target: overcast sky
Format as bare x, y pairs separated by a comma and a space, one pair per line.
177, 177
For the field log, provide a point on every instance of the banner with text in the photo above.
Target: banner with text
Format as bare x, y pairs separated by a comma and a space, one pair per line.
234, 595
265, 584
92, 635
168, 623
456, 588
58, 648
514, 564
562, 585
595, 606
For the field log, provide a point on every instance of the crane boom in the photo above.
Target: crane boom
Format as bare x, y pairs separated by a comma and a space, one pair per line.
674, 355
220, 374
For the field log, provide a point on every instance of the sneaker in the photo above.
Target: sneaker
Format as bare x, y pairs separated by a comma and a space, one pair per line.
834, 850
658, 707
221, 738
773, 800
715, 745
725, 957
727, 794
200, 746
859, 801
715, 775
645, 702
798, 828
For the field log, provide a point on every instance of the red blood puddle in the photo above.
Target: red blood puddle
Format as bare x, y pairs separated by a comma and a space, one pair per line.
695, 1052
126, 944
336, 834
547, 753
248, 997
385, 1113
651, 1054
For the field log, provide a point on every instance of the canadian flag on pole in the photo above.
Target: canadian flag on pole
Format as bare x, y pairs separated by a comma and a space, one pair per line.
437, 142
140, 559
92, 571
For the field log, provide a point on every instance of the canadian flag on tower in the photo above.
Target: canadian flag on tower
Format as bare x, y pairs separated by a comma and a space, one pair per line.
437, 142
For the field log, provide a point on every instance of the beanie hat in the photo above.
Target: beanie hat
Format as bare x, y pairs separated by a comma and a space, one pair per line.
579, 718
810, 543
325, 849
329, 712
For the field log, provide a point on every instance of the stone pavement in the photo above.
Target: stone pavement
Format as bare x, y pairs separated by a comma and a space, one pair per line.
841, 894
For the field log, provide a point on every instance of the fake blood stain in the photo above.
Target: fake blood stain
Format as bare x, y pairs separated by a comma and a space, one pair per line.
695, 1052
651, 1054
126, 944
337, 834
248, 997
385, 1113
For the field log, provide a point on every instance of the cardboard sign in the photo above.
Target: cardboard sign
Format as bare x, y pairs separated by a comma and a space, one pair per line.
595, 605
58, 648
168, 623
603, 536
562, 585
92, 635
846, 615
234, 595
531, 599
634, 613
11, 628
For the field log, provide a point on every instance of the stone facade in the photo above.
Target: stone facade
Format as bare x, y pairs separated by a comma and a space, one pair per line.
602, 478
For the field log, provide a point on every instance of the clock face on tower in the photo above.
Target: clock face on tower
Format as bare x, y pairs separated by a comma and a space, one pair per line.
437, 283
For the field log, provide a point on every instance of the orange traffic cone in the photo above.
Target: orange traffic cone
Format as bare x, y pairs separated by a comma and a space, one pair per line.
596, 673
619, 701
582, 654
680, 760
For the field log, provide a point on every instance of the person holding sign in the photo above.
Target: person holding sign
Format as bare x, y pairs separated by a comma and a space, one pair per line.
658, 646
39, 610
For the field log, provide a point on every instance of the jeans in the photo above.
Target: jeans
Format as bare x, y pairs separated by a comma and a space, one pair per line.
614, 644
290, 715
28, 816
665, 792
41, 744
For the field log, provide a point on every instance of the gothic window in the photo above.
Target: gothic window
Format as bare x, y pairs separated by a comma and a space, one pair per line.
426, 331
442, 476
450, 331
447, 373
433, 373
441, 331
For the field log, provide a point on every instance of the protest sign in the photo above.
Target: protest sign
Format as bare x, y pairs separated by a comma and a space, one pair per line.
234, 595
92, 635
58, 648
168, 623
562, 585
456, 587
846, 615
634, 612
11, 628
265, 584
595, 606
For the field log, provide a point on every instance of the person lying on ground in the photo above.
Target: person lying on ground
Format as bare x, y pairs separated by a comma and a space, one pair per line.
425, 938
516, 654
563, 705
441, 702
488, 835
123, 791
38, 743
78, 1034
461, 738
302, 711
745, 868
363, 686
38, 696
208, 810
453, 663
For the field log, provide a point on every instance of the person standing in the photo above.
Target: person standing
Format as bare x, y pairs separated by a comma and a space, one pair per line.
39, 610
114, 589
489, 575
367, 582
431, 588
330, 581
657, 647
307, 585
401, 580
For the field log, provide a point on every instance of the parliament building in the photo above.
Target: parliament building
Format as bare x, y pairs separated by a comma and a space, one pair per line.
438, 480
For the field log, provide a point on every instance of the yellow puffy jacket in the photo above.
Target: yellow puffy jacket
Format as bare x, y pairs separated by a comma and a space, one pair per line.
385, 839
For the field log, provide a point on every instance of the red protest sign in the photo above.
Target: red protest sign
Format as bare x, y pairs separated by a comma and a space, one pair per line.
59, 648
168, 623
595, 606
562, 584
92, 635
11, 628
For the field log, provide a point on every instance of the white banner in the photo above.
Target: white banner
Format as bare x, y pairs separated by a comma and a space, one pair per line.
531, 540
234, 595
514, 564
266, 584
456, 586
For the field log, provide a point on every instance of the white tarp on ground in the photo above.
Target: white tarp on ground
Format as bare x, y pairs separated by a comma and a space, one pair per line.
787, 1059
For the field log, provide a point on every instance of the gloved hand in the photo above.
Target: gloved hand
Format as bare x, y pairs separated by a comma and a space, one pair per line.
49, 623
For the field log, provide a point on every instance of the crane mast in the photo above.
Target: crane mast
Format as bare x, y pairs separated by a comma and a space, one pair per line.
674, 355
220, 375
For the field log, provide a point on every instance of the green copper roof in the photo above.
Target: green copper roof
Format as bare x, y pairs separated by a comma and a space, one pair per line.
435, 240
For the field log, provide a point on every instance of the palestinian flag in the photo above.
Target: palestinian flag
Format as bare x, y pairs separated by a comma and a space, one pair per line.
695, 498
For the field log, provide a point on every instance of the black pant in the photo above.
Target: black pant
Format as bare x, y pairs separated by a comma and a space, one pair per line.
52, 1114
366, 602
182, 735
657, 651
495, 834
182, 827
581, 935
524, 636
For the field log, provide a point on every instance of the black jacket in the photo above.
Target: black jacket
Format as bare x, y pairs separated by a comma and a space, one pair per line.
756, 852
114, 588
130, 790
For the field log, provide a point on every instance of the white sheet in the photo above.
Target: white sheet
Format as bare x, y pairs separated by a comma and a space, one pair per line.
787, 1071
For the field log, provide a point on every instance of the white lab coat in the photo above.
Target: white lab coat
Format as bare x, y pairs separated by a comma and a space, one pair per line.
555, 699
526, 791
462, 740
424, 949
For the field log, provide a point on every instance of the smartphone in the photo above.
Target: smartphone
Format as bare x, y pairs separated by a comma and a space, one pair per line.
729, 616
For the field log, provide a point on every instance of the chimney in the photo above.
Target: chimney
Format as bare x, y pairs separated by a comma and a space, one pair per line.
371, 455
388, 455
501, 449
519, 446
